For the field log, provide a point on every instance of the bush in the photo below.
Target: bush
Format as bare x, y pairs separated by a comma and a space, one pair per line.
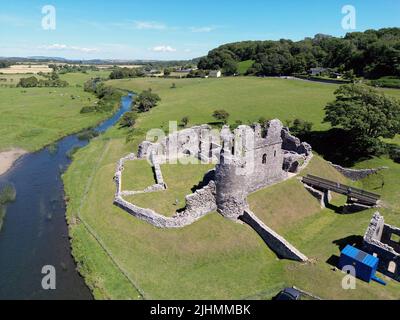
146, 101
394, 154
88, 109
221, 115
128, 120
387, 82
185, 121
87, 134
301, 127
7, 194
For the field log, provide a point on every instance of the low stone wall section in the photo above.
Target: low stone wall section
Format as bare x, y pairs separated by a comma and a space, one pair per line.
275, 242
198, 204
356, 174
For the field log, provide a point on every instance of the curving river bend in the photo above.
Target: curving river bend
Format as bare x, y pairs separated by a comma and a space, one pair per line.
35, 231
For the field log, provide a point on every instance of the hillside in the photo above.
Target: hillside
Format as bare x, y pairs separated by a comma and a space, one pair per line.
370, 54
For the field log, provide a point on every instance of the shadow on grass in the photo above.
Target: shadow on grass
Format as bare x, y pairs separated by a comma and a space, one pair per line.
335, 145
336, 209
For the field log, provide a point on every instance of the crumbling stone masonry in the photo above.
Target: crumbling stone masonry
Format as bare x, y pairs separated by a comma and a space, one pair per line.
356, 174
379, 241
248, 159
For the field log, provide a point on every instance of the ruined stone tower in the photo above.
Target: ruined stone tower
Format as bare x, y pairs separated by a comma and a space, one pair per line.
251, 158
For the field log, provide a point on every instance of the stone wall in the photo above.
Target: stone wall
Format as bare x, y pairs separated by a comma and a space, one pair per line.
275, 242
356, 174
249, 158
378, 242
198, 204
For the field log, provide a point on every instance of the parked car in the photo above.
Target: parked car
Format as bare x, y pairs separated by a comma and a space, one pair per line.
289, 294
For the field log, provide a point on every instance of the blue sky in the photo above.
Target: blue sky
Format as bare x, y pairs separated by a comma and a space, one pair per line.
174, 29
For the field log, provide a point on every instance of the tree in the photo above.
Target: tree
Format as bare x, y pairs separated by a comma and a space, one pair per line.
364, 113
301, 127
128, 120
221, 115
185, 121
167, 72
146, 101
28, 82
230, 67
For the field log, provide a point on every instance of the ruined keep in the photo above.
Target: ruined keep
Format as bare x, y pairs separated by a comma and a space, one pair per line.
247, 159
383, 241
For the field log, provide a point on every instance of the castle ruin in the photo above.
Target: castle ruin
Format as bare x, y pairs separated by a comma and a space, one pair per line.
247, 159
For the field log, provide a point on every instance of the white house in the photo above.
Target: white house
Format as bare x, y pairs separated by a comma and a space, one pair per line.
215, 74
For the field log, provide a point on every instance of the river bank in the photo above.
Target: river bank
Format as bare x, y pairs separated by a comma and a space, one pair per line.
35, 232
8, 158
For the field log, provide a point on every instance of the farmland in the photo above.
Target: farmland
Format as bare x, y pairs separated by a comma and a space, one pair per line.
34, 117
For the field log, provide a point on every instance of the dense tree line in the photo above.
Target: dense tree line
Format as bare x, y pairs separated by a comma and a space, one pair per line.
123, 73
67, 68
4, 64
370, 54
51, 80
108, 96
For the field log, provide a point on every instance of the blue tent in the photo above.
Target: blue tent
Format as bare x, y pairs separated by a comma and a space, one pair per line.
364, 264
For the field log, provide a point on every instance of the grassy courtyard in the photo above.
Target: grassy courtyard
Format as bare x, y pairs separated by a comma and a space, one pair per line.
123, 257
34, 117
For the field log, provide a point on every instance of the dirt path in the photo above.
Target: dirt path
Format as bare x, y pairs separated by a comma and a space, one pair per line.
7, 159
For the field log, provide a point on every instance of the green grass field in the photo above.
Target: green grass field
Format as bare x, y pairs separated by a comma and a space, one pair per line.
123, 257
34, 117
243, 66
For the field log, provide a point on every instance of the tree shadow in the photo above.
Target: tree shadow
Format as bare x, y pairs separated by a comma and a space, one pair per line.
336, 145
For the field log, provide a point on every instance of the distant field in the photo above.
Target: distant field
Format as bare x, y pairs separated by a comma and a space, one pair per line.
215, 258
34, 117
13, 79
26, 68
245, 98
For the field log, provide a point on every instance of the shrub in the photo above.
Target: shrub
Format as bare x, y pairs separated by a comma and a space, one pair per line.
128, 120
185, 121
387, 82
7, 194
301, 127
394, 154
88, 109
221, 115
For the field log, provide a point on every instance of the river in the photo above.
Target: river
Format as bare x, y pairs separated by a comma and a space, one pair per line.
35, 232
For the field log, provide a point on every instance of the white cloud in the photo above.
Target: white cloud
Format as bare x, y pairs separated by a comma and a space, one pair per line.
202, 29
64, 47
149, 25
163, 49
